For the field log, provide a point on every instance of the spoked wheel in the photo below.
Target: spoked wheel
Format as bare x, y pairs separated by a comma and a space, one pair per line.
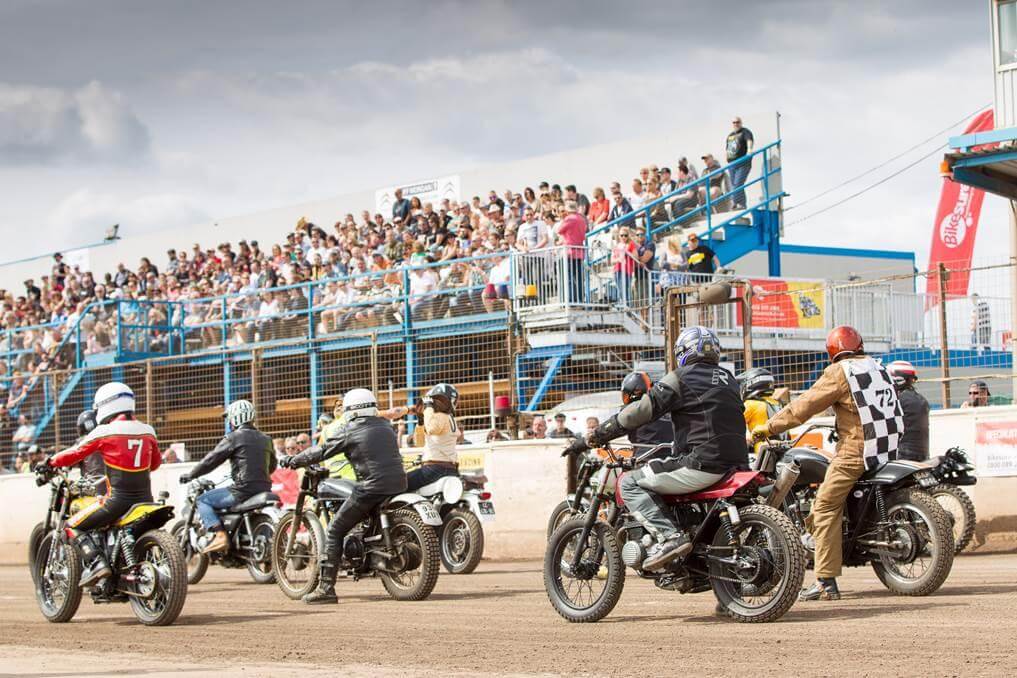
197, 562
921, 528
259, 562
759, 580
462, 541
57, 573
297, 573
577, 593
34, 540
161, 579
562, 512
418, 545
960, 510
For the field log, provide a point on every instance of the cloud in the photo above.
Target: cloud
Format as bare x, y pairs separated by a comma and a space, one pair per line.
44, 125
89, 211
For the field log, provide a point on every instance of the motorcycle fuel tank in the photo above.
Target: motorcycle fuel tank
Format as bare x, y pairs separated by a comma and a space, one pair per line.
812, 462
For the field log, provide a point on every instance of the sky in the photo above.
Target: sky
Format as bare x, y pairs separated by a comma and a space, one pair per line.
155, 115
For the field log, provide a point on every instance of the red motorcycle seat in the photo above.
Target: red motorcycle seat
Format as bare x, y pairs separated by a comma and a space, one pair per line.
725, 487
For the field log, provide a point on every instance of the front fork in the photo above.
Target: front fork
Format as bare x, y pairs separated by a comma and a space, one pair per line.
298, 512
591, 518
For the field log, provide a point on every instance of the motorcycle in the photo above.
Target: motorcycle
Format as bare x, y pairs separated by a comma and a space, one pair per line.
148, 568
953, 470
891, 521
249, 526
397, 542
89, 488
748, 553
463, 506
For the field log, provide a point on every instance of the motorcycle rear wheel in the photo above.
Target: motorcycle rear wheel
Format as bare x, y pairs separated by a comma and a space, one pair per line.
937, 536
462, 541
57, 591
419, 541
160, 551
566, 591
961, 509
197, 562
766, 528
263, 532
297, 575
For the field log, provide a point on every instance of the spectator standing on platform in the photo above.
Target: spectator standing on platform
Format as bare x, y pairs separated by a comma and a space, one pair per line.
572, 232
701, 259
981, 324
600, 208
739, 145
538, 428
560, 430
623, 264
646, 262
400, 208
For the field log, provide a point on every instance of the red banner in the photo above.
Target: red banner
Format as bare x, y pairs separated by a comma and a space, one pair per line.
953, 234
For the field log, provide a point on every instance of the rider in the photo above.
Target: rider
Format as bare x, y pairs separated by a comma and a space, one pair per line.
371, 445
706, 412
756, 386
658, 432
252, 461
130, 452
914, 444
441, 432
93, 465
339, 466
868, 422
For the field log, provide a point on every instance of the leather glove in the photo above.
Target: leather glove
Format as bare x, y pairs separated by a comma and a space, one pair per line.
286, 461
760, 433
42, 466
184, 479
575, 448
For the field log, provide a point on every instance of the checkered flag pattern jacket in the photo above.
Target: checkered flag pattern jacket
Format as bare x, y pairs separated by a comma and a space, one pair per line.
878, 409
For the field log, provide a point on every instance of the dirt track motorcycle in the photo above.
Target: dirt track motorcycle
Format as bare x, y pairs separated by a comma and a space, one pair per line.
148, 568
891, 521
249, 525
953, 470
397, 543
86, 491
464, 507
746, 552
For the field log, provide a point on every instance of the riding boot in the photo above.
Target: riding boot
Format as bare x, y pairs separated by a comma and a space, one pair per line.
325, 593
674, 547
219, 542
95, 565
823, 589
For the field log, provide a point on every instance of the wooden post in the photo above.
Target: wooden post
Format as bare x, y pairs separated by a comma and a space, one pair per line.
149, 390
747, 324
944, 352
255, 378
374, 364
56, 410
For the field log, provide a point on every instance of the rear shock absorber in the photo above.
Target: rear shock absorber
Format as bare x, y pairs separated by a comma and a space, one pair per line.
725, 525
881, 505
127, 543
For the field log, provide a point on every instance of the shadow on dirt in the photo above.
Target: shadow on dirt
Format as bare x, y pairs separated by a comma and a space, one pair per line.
800, 613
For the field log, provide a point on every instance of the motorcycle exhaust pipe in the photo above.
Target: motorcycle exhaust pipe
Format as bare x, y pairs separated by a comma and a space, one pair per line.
788, 475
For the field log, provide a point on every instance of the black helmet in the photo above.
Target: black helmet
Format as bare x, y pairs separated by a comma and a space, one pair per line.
634, 386
86, 422
445, 398
757, 381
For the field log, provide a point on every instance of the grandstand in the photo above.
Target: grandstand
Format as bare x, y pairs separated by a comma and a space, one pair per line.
450, 292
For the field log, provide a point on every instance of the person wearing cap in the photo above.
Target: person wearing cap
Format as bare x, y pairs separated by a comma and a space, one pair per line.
739, 145
560, 430
979, 396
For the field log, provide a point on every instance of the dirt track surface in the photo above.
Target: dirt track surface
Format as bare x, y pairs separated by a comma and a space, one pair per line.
498, 622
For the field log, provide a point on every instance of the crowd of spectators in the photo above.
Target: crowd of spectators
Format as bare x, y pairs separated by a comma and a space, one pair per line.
459, 248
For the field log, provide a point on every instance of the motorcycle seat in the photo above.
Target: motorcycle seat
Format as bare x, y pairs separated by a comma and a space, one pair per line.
725, 487
451, 487
256, 502
892, 471
335, 488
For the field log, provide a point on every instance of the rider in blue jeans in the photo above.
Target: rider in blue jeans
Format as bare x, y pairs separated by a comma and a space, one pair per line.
252, 461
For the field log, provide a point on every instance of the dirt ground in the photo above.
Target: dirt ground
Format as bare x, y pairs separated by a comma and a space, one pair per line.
498, 622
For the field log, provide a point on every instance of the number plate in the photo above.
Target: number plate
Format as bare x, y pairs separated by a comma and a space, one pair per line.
428, 513
487, 508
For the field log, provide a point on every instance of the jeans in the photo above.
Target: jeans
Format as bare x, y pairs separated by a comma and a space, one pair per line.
219, 498
576, 280
623, 283
640, 488
427, 474
738, 174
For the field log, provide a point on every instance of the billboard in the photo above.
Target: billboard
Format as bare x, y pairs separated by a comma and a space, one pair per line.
798, 304
996, 448
429, 190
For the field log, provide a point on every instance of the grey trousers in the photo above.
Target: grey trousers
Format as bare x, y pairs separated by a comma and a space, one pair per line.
640, 488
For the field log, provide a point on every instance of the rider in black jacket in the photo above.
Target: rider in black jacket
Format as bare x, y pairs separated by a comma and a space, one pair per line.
371, 445
914, 444
657, 432
706, 410
252, 461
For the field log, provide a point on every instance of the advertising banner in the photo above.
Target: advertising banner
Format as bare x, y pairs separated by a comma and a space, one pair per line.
996, 448
798, 304
430, 190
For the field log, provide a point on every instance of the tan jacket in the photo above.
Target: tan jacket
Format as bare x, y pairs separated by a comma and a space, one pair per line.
830, 390
440, 436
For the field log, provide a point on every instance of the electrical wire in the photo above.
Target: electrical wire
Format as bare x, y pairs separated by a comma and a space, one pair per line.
889, 161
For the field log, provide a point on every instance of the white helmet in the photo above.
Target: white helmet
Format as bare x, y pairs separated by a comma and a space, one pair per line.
238, 413
112, 399
360, 402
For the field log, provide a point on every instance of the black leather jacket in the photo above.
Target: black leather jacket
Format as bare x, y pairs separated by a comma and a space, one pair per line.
252, 461
914, 444
654, 433
371, 445
706, 412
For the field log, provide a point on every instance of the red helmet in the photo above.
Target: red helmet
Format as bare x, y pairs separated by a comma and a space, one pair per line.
902, 372
843, 340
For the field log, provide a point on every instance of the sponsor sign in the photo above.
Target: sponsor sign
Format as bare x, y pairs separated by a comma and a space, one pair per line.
799, 304
429, 190
996, 448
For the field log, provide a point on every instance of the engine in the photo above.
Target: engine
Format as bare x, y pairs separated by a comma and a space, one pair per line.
633, 554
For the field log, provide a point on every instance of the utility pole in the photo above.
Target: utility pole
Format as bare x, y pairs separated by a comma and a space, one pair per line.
1013, 297
944, 347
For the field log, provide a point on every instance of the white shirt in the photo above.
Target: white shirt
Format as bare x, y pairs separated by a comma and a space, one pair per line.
533, 233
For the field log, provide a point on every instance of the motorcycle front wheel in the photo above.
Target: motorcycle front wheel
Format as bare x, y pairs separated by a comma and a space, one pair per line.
197, 562
419, 546
161, 578
579, 594
259, 561
34, 540
297, 573
57, 573
960, 509
462, 541
923, 527
765, 581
